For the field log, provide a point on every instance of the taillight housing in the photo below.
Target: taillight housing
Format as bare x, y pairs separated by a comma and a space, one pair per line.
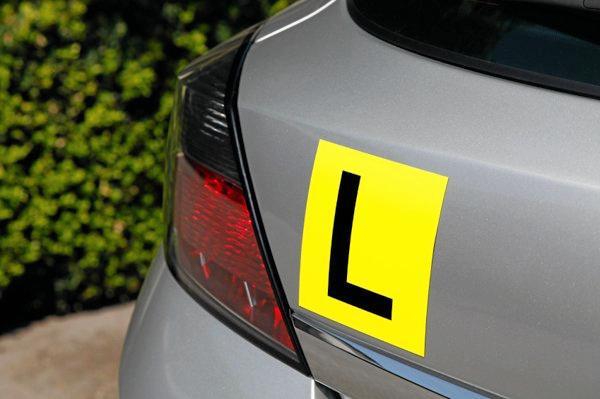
214, 246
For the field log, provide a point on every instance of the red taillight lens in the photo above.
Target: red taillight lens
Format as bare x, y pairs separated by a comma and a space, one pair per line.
214, 248
215, 245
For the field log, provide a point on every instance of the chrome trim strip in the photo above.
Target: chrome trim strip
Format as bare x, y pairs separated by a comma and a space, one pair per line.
427, 379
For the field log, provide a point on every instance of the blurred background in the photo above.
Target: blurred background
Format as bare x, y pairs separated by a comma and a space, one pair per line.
85, 96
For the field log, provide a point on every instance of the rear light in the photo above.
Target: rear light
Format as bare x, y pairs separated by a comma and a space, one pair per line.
214, 248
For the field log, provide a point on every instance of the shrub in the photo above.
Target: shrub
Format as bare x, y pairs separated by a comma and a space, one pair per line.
86, 91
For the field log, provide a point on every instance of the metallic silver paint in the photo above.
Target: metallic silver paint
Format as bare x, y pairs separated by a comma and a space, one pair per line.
265, 36
346, 374
177, 350
385, 361
514, 292
291, 16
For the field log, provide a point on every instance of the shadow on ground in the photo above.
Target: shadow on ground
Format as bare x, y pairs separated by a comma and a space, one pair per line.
74, 356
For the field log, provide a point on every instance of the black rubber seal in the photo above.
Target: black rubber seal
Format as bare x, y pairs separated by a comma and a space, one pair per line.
467, 62
231, 99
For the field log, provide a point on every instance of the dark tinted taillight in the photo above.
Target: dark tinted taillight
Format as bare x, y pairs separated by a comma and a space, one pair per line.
213, 245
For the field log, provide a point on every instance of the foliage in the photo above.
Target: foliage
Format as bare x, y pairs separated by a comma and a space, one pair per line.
86, 91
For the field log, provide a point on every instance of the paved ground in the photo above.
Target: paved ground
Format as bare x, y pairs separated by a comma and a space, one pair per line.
75, 357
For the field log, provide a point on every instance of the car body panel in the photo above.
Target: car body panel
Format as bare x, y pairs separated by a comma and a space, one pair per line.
345, 373
513, 303
175, 349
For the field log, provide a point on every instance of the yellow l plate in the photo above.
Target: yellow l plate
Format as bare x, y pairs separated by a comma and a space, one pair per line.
367, 245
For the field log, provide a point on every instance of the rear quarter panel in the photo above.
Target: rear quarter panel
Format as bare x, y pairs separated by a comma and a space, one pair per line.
513, 303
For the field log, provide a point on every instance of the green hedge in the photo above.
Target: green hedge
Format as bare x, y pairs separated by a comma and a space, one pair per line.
85, 94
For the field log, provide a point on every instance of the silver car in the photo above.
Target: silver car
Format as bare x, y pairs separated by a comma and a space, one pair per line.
382, 199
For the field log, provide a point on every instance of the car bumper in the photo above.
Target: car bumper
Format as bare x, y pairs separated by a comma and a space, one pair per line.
176, 349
